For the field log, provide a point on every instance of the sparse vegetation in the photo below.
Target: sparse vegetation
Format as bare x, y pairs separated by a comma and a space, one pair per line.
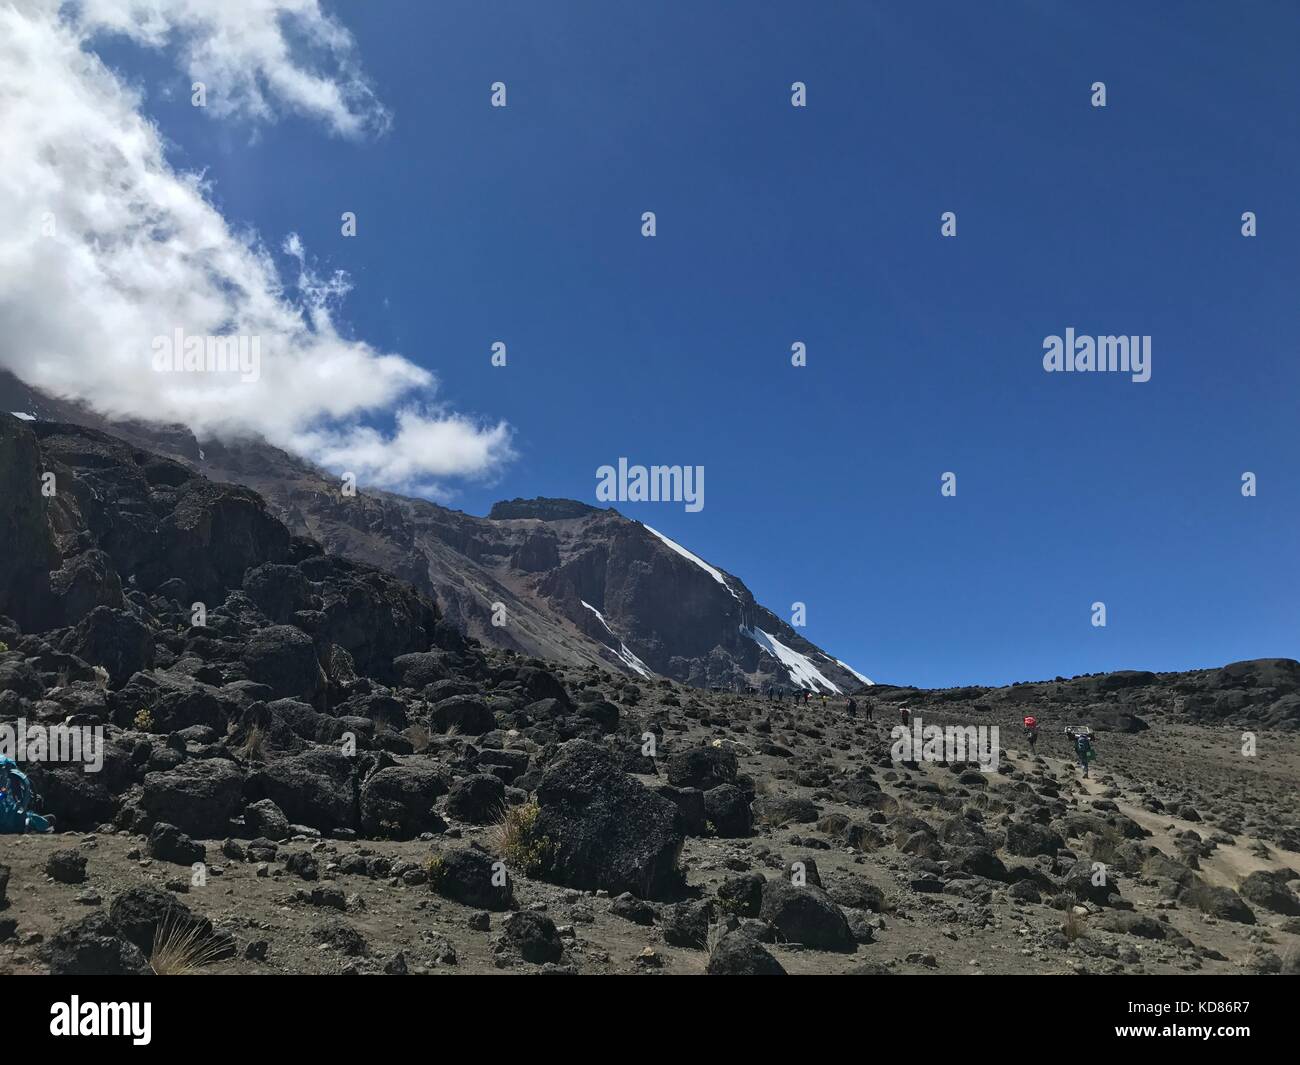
180, 948
419, 737
518, 841
434, 867
253, 749
144, 721
1072, 928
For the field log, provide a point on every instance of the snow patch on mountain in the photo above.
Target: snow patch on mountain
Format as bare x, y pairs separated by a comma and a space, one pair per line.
623, 653
23, 417
715, 574
850, 669
802, 671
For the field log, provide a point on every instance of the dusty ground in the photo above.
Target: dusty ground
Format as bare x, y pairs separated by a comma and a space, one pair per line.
1240, 801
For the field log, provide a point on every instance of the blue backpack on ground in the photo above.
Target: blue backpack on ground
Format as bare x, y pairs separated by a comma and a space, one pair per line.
15, 798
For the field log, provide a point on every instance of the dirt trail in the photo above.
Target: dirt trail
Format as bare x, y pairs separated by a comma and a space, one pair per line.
1229, 864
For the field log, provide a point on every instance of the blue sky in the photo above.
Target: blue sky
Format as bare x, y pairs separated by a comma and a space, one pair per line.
821, 225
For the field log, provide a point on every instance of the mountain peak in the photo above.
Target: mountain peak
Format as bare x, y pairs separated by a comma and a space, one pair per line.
541, 508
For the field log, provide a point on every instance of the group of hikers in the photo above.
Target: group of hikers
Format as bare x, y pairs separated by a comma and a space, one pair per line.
1080, 736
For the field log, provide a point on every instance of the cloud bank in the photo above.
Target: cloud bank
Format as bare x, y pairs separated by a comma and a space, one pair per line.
108, 247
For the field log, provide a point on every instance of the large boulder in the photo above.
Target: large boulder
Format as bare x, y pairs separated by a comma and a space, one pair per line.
372, 615
283, 658
93, 946
602, 829
1220, 902
138, 913
198, 797
533, 936
805, 915
168, 843
478, 799
728, 809
76, 799
1268, 888
472, 877
702, 767
114, 639
398, 801
738, 954
421, 668
465, 713
214, 534
264, 820
315, 788
1027, 839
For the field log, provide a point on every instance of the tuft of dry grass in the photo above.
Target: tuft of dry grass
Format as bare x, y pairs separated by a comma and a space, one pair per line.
180, 948
516, 839
419, 737
253, 749
1072, 928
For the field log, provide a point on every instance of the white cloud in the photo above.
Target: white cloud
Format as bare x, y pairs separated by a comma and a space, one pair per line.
252, 55
137, 250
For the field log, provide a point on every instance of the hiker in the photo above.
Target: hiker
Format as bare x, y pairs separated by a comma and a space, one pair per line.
1084, 749
15, 798
904, 716
1031, 734
869, 707
852, 708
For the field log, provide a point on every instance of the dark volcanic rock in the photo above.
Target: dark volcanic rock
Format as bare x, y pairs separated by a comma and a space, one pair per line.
532, 936
1026, 839
169, 844
739, 955
702, 767
398, 801
66, 866
264, 819
605, 829
138, 913
315, 788
115, 640
464, 712
197, 797
478, 799
1268, 889
805, 915
472, 877
29, 552
284, 659
727, 808
93, 946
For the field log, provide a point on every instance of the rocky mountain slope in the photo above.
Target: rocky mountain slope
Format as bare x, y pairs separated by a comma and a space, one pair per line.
324, 775
553, 578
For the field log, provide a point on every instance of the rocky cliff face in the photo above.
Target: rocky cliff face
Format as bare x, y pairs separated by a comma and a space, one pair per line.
554, 578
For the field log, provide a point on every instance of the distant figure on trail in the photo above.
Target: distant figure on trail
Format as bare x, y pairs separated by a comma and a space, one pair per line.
1083, 747
869, 708
852, 708
1031, 734
904, 716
